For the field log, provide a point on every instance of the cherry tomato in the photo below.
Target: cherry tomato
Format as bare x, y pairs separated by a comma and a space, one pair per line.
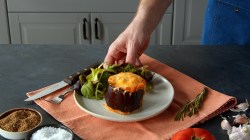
193, 134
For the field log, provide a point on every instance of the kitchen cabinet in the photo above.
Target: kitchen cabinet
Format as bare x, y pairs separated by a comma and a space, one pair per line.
106, 27
80, 22
93, 22
188, 21
78, 28
49, 28
4, 32
67, 28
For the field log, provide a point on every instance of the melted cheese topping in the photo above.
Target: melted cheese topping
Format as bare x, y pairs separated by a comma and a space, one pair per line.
127, 81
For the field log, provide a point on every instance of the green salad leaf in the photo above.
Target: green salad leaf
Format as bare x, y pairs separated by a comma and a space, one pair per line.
95, 84
88, 90
93, 76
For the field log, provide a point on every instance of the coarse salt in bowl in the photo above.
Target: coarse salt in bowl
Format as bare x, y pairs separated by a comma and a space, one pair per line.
51, 132
18, 122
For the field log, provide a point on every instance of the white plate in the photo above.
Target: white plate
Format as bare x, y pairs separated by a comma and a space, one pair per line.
153, 103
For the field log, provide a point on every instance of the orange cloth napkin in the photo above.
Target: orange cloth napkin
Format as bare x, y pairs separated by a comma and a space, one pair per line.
160, 127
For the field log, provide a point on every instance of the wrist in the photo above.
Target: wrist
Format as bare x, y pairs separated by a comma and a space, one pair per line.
141, 24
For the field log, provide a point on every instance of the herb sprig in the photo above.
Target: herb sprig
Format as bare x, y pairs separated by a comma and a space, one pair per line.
191, 107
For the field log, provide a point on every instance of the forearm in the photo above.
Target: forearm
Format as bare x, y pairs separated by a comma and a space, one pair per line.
149, 14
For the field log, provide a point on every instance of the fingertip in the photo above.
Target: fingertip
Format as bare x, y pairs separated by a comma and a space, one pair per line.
131, 57
138, 62
108, 60
130, 61
105, 64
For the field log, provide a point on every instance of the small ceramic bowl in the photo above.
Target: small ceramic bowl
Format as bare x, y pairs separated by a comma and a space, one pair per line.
18, 134
41, 130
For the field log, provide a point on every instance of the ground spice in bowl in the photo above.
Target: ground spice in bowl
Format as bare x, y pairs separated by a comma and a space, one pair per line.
19, 120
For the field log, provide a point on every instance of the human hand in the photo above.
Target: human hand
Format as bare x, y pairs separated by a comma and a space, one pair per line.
129, 46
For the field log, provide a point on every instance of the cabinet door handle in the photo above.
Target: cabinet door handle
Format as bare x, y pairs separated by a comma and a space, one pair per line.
96, 28
84, 28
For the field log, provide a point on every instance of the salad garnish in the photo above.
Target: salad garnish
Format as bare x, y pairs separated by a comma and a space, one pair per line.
94, 85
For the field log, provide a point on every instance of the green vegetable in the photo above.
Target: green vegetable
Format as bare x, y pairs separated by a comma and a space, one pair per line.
88, 90
191, 107
96, 83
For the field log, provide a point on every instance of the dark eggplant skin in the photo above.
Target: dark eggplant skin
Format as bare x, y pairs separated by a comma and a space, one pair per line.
124, 102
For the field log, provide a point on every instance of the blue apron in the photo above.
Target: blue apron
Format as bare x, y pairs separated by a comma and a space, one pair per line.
227, 22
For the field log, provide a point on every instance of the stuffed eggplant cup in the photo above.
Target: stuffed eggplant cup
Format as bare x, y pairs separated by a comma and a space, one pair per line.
125, 93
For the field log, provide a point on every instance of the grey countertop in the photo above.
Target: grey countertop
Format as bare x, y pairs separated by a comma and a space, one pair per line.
25, 68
